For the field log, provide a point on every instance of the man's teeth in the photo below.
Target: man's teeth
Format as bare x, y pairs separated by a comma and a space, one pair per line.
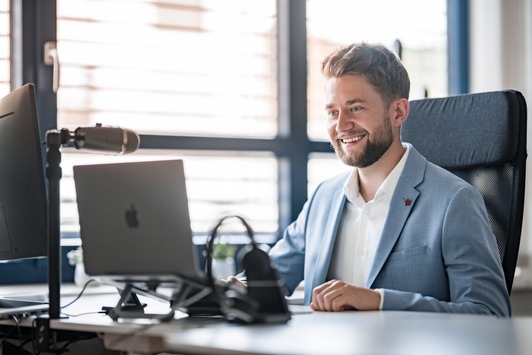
352, 139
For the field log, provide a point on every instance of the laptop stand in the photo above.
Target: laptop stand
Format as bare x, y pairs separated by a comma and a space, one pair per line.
130, 307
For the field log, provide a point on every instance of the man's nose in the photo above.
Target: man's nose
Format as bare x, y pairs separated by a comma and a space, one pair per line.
344, 122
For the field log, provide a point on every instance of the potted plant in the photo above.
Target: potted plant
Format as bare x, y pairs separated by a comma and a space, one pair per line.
223, 260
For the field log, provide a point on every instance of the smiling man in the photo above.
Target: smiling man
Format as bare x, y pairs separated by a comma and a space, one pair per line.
396, 232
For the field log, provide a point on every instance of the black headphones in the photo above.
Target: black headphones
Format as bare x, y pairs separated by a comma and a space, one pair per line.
263, 299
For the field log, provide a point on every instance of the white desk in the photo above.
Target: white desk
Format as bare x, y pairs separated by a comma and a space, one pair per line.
385, 333
408, 333
362, 333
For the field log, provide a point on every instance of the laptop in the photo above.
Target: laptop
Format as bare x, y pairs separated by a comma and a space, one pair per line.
22, 305
134, 222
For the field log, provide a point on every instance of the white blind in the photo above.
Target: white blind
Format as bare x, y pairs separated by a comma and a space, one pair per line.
185, 67
4, 48
198, 67
237, 183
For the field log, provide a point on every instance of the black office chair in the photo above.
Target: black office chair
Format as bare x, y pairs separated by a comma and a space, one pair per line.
481, 138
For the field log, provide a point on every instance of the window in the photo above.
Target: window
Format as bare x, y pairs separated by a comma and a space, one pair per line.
184, 68
179, 67
203, 80
422, 33
187, 68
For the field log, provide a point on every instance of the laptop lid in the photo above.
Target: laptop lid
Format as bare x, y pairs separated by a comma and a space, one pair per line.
134, 221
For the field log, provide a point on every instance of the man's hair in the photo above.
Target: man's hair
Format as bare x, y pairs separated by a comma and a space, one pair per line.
380, 66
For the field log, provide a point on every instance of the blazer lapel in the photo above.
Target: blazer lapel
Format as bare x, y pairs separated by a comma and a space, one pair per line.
403, 200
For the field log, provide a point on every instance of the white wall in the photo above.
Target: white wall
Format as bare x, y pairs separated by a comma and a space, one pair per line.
501, 58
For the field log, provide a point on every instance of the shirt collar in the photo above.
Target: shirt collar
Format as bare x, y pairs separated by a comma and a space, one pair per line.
388, 185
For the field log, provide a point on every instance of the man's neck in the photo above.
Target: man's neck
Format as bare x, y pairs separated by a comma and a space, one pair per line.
370, 178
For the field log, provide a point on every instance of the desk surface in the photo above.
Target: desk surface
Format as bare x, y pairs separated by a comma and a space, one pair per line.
307, 332
321, 333
317, 333
361, 333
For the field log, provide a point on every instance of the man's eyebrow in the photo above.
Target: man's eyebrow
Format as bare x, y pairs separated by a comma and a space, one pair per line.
347, 103
354, 101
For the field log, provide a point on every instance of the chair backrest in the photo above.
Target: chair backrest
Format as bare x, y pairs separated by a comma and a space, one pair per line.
481, 138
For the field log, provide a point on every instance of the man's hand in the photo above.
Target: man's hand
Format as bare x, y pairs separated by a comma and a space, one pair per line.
334, 296
234, 281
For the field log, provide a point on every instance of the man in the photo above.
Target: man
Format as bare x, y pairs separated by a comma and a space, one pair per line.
396, 232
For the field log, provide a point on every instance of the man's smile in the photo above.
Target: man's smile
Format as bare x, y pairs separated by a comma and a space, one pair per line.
352, 139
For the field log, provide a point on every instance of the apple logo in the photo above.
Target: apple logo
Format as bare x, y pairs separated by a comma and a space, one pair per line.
132, 220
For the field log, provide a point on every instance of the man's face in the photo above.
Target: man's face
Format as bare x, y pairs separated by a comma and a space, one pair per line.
359, 124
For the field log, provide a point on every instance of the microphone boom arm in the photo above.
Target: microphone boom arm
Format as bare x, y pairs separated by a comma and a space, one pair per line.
96, 138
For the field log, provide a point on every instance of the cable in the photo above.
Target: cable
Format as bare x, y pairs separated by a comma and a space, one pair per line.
82, 314
20, 348
79, 295
15, 327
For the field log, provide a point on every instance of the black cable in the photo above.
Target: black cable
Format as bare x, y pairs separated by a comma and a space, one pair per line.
22, 344
17, 328
17, 324
80, 294
10, 332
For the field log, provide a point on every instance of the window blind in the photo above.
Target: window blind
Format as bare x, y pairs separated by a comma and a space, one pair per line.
177, 67
186, 67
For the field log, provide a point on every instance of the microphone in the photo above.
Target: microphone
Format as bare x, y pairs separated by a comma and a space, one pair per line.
112, 139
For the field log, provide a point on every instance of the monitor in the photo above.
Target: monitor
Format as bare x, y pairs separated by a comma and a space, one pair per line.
23, 200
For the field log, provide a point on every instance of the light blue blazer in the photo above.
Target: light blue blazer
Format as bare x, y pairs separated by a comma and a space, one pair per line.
436, 253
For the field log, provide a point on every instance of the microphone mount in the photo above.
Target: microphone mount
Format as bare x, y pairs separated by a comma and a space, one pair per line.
54, 140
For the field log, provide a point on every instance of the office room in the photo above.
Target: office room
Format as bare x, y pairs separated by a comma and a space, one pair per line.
232, 92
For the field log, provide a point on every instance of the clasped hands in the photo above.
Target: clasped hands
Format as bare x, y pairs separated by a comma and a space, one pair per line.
334, 296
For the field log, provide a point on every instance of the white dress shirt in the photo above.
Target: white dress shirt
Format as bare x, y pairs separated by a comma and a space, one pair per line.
361, 227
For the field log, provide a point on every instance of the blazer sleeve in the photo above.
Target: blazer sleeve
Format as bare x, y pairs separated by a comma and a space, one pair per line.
471, 263
288, 254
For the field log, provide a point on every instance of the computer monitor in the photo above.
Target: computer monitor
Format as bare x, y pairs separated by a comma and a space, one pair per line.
23, 201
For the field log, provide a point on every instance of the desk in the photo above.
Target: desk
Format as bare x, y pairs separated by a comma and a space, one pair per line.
408, 333
320, 333
362, 333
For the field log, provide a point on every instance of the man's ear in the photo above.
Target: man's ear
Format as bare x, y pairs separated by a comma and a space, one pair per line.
399, 110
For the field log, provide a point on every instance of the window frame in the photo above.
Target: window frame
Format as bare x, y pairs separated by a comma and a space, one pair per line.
35, 22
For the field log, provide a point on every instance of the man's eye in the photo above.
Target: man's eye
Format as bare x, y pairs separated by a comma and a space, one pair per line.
332, 114
355, 109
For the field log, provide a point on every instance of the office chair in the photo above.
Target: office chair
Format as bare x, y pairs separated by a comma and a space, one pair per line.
482, 139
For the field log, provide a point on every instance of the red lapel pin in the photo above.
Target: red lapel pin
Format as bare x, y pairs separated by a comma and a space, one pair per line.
408, 202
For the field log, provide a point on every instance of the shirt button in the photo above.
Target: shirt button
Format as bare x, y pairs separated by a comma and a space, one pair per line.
361, 253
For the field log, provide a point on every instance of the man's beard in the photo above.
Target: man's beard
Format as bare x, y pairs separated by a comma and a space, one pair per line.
374, 150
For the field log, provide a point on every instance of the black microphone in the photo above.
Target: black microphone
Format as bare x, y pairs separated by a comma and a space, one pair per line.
112, 139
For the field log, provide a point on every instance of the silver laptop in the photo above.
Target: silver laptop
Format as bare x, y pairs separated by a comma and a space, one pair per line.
134, 221
21, 305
